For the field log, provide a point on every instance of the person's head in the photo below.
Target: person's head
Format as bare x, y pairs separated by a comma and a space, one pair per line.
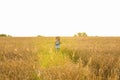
58, 38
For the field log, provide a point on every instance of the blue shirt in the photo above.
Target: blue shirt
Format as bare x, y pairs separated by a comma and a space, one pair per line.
57, 44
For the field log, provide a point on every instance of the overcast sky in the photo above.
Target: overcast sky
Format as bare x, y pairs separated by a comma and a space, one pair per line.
60, 17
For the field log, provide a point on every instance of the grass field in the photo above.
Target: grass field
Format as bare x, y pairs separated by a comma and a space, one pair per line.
80, 58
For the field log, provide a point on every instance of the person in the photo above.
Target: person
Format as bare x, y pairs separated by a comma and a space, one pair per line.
57, 43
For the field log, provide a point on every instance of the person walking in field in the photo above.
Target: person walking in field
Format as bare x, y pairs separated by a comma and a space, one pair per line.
57, 43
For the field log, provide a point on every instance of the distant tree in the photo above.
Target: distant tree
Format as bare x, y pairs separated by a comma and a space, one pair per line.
75, 35
9, 36
5, 35
83, 34
39, 36
80, 34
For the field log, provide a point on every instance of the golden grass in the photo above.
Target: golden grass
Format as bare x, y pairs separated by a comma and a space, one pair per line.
80, 58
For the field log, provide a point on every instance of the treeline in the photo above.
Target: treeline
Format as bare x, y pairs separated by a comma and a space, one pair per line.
5, 35
79, 34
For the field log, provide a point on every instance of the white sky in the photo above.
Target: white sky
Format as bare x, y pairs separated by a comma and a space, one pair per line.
60, 17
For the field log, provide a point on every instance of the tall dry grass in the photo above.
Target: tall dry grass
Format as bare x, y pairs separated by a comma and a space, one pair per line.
86, 58
80, 58
17, 59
